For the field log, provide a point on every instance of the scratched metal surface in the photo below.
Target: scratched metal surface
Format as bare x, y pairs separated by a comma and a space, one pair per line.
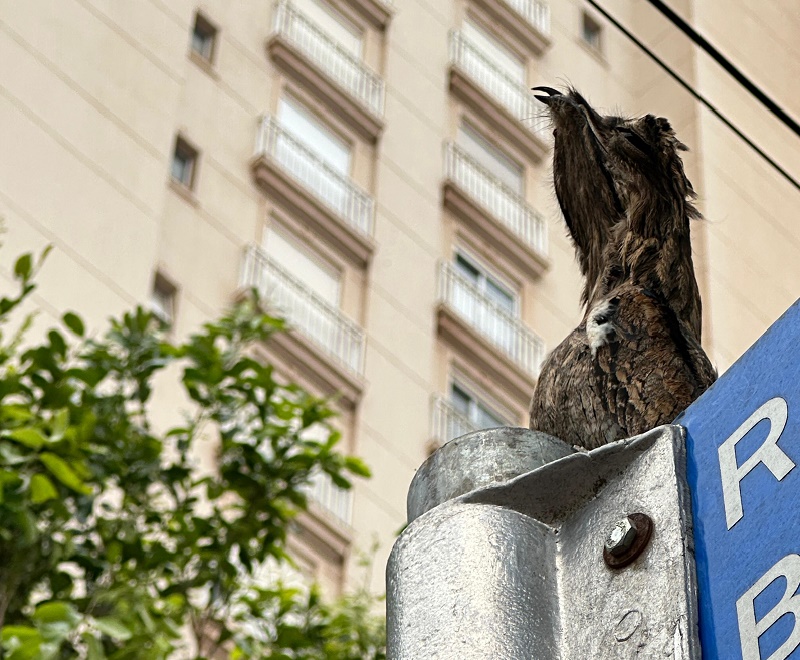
515, 570
463, 585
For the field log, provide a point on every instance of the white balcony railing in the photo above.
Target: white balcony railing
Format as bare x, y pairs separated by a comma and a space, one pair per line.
334, 500
504, 331
355, 207
508, 92
447, 422
502, 203
320, 322
537, 13
336, 62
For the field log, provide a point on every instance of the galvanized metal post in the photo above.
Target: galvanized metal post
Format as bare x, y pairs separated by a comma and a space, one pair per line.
518, 547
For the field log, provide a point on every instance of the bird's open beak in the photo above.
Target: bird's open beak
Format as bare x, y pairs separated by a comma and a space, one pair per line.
549, 91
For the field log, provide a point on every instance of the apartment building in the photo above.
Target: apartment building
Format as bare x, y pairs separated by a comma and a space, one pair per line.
380, 171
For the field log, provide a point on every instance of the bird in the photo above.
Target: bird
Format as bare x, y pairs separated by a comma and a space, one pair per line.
635, 361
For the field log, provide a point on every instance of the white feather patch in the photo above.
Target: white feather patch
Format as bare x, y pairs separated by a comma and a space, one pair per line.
599, 328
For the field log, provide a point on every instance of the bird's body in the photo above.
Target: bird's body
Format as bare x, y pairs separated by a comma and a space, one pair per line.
635, 360
628, 367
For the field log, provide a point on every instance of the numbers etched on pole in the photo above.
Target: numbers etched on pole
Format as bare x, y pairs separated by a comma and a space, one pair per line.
779, 464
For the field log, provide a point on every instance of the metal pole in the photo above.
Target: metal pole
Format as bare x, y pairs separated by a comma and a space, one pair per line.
520, 548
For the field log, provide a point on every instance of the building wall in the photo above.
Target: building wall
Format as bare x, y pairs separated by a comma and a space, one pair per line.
752, 239
93, 95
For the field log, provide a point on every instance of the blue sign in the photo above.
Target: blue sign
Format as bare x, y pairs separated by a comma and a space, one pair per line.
743, 447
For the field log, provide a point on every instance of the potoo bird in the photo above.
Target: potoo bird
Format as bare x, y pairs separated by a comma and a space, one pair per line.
635, 360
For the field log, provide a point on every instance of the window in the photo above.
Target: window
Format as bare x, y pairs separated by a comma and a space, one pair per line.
204, 38
480, 415
184, 163
485, 303
336, 26
494, 160
313, 134
591, 32
303, 265
486, 284
494, 51
162, 298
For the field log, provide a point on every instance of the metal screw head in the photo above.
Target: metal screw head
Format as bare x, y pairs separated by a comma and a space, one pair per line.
621, 537
627, 539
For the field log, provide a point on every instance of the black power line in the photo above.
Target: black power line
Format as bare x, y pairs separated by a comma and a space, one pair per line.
696, 95
726, 64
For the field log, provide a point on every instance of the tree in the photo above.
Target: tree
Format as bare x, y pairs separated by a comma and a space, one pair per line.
111, 541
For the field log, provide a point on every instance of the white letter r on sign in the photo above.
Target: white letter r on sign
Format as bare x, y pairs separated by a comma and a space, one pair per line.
776, 411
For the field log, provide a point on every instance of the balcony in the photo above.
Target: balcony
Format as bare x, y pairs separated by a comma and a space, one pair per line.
324, 345
447, 422
334, 502
495, 212
329, 202
500, 100
323, 532
527, 21
376, 12
351, 90
496, 342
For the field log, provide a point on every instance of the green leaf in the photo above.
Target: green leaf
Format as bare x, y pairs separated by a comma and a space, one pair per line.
12, 455
357, 466
74, 323
57, 342
22, 633
61, 470
42, 489
26, 523
94, 648
56, 632
22, 269
340, 481
30, 649
112, 627
16, 413
58, 425
8, 477
113, 551
47, 250
28, 436
56, 612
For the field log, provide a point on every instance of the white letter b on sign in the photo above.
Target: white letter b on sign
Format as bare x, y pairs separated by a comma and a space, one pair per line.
776, 411
750, 629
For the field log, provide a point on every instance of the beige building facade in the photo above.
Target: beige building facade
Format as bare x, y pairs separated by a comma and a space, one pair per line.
381, 171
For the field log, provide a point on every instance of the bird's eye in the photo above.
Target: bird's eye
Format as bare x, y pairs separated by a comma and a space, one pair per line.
633, 138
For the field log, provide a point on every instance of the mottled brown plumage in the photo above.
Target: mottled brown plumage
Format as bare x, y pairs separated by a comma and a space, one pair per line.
635, 361
653, 244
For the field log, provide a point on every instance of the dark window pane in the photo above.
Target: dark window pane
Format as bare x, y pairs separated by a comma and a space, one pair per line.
183, 163
204, 35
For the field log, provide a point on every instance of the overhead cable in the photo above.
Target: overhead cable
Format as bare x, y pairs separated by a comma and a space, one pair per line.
726, 64
697, 95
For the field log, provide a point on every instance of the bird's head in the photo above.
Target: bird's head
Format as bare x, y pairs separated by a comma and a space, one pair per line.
643, 157
579, 152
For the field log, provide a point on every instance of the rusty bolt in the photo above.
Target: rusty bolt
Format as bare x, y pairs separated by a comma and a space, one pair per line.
627, 539
621, 538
